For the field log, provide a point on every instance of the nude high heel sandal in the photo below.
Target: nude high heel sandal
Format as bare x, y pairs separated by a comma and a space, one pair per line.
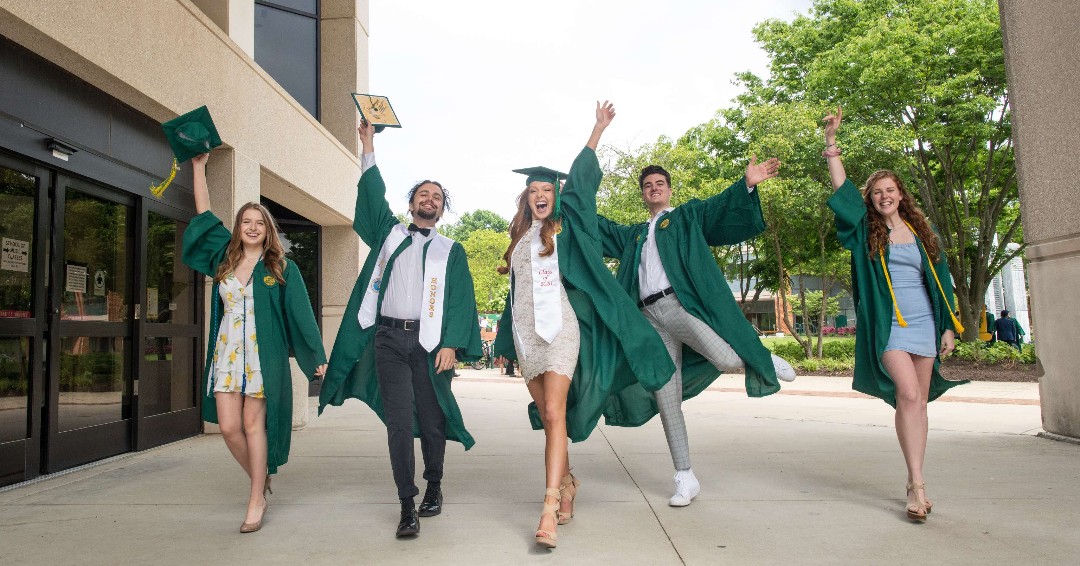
916, 512
568, 486
545, 538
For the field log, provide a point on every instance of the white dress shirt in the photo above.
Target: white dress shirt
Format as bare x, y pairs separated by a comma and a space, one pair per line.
651, 275
404, 293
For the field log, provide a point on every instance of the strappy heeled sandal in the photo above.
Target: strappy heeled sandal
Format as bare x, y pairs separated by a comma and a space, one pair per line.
266, 487
568, 486
252, 527
916, 512
545, 538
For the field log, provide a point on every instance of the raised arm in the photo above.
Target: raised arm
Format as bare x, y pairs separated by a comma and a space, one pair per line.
832, 151
605, 113
372, 218
198, 174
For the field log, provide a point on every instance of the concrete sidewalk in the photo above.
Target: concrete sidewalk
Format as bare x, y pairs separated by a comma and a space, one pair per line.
809, 476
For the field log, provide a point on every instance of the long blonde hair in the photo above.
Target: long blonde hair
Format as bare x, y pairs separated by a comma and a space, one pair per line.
521, 223
878, 236
273, 255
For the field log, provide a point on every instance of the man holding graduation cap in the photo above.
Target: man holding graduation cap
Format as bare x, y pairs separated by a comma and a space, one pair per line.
411, 317
666, 265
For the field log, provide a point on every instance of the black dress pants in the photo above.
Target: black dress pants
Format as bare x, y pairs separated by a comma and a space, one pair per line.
407, 395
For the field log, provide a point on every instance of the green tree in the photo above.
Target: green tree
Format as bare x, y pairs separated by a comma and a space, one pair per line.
927, 77
485, 249
473, 221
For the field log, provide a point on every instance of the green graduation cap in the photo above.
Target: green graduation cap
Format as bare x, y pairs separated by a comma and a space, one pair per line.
188, 135
546, 175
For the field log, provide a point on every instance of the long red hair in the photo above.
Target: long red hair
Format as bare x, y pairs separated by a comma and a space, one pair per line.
878, 236
520, 224
273, 253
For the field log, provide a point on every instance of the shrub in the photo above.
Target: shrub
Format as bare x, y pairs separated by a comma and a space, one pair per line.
839, 349
790, 351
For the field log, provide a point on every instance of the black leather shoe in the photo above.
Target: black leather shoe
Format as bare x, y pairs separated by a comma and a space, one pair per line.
410, 523
432, 503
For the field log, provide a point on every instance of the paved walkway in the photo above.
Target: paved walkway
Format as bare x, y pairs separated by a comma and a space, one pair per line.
809, 476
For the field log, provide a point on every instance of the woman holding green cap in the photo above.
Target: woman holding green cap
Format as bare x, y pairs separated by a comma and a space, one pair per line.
571, 326
259, 312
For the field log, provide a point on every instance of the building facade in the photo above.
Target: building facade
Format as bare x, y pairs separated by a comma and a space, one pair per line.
102, 328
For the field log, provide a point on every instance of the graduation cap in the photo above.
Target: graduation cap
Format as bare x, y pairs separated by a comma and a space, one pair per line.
188, 135
545, 175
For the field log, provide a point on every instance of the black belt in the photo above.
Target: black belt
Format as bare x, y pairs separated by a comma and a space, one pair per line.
400, 324
655, 297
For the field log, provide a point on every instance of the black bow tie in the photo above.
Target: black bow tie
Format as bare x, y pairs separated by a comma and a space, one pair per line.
423, 231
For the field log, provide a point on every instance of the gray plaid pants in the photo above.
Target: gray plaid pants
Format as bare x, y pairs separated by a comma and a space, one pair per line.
677, 327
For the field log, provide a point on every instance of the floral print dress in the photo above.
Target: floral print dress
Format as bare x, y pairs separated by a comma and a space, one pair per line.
236, 354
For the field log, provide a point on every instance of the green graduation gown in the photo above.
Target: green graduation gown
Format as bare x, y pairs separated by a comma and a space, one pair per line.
352, 362
619, 348
284, 320
683, 238
874, 304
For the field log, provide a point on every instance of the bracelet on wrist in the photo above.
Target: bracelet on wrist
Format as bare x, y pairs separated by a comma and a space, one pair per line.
833, 144
831, 152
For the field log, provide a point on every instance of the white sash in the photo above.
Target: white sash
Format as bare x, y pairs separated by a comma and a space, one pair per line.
438, 254
547, 304
370, 304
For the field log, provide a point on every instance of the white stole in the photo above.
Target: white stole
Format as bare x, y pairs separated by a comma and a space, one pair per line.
547, 303
438, 254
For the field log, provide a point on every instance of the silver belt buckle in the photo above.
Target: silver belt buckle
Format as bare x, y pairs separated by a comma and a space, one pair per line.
409, 324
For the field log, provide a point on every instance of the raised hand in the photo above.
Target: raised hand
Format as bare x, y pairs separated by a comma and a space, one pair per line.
367, 135
832, 124
200, 160
320, 371
605, 113
758, 172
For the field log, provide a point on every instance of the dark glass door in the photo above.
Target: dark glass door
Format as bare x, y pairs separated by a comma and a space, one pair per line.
168, 331
90, 406
23, 268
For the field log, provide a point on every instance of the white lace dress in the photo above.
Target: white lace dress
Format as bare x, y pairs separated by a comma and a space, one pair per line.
559, 356
236, 366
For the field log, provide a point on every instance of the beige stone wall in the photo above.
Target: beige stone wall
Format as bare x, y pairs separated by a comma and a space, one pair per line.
1041, 56
165, 57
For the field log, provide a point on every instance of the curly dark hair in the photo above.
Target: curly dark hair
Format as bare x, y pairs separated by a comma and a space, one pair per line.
653, 170
878, 236
445, 195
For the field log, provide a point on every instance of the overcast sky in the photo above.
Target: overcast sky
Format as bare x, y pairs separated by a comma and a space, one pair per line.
483, 87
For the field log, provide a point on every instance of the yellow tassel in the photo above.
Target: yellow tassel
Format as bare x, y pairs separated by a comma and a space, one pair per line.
159, 189
899, 318
956, 323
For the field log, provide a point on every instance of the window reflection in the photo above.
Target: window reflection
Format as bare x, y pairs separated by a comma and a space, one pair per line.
286, 47
165, 380
92, 381
96, 244
14, 388
169, 284
17, 203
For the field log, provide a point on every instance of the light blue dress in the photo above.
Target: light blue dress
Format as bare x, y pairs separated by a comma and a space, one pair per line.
909, 285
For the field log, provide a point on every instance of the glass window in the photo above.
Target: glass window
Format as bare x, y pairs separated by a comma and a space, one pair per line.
287, 47
170, 291
307, 6
17, 198
92, 380
96, 244
14, 388
301, 239
165, 383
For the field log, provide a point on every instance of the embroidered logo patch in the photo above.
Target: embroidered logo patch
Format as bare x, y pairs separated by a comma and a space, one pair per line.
665, 223
269, 281
375, 284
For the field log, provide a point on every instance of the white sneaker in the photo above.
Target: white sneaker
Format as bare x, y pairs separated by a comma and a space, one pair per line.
686, 488
784, 371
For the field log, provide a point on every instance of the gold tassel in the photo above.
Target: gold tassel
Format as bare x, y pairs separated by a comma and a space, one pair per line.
956, 323
899, 318
159, 189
